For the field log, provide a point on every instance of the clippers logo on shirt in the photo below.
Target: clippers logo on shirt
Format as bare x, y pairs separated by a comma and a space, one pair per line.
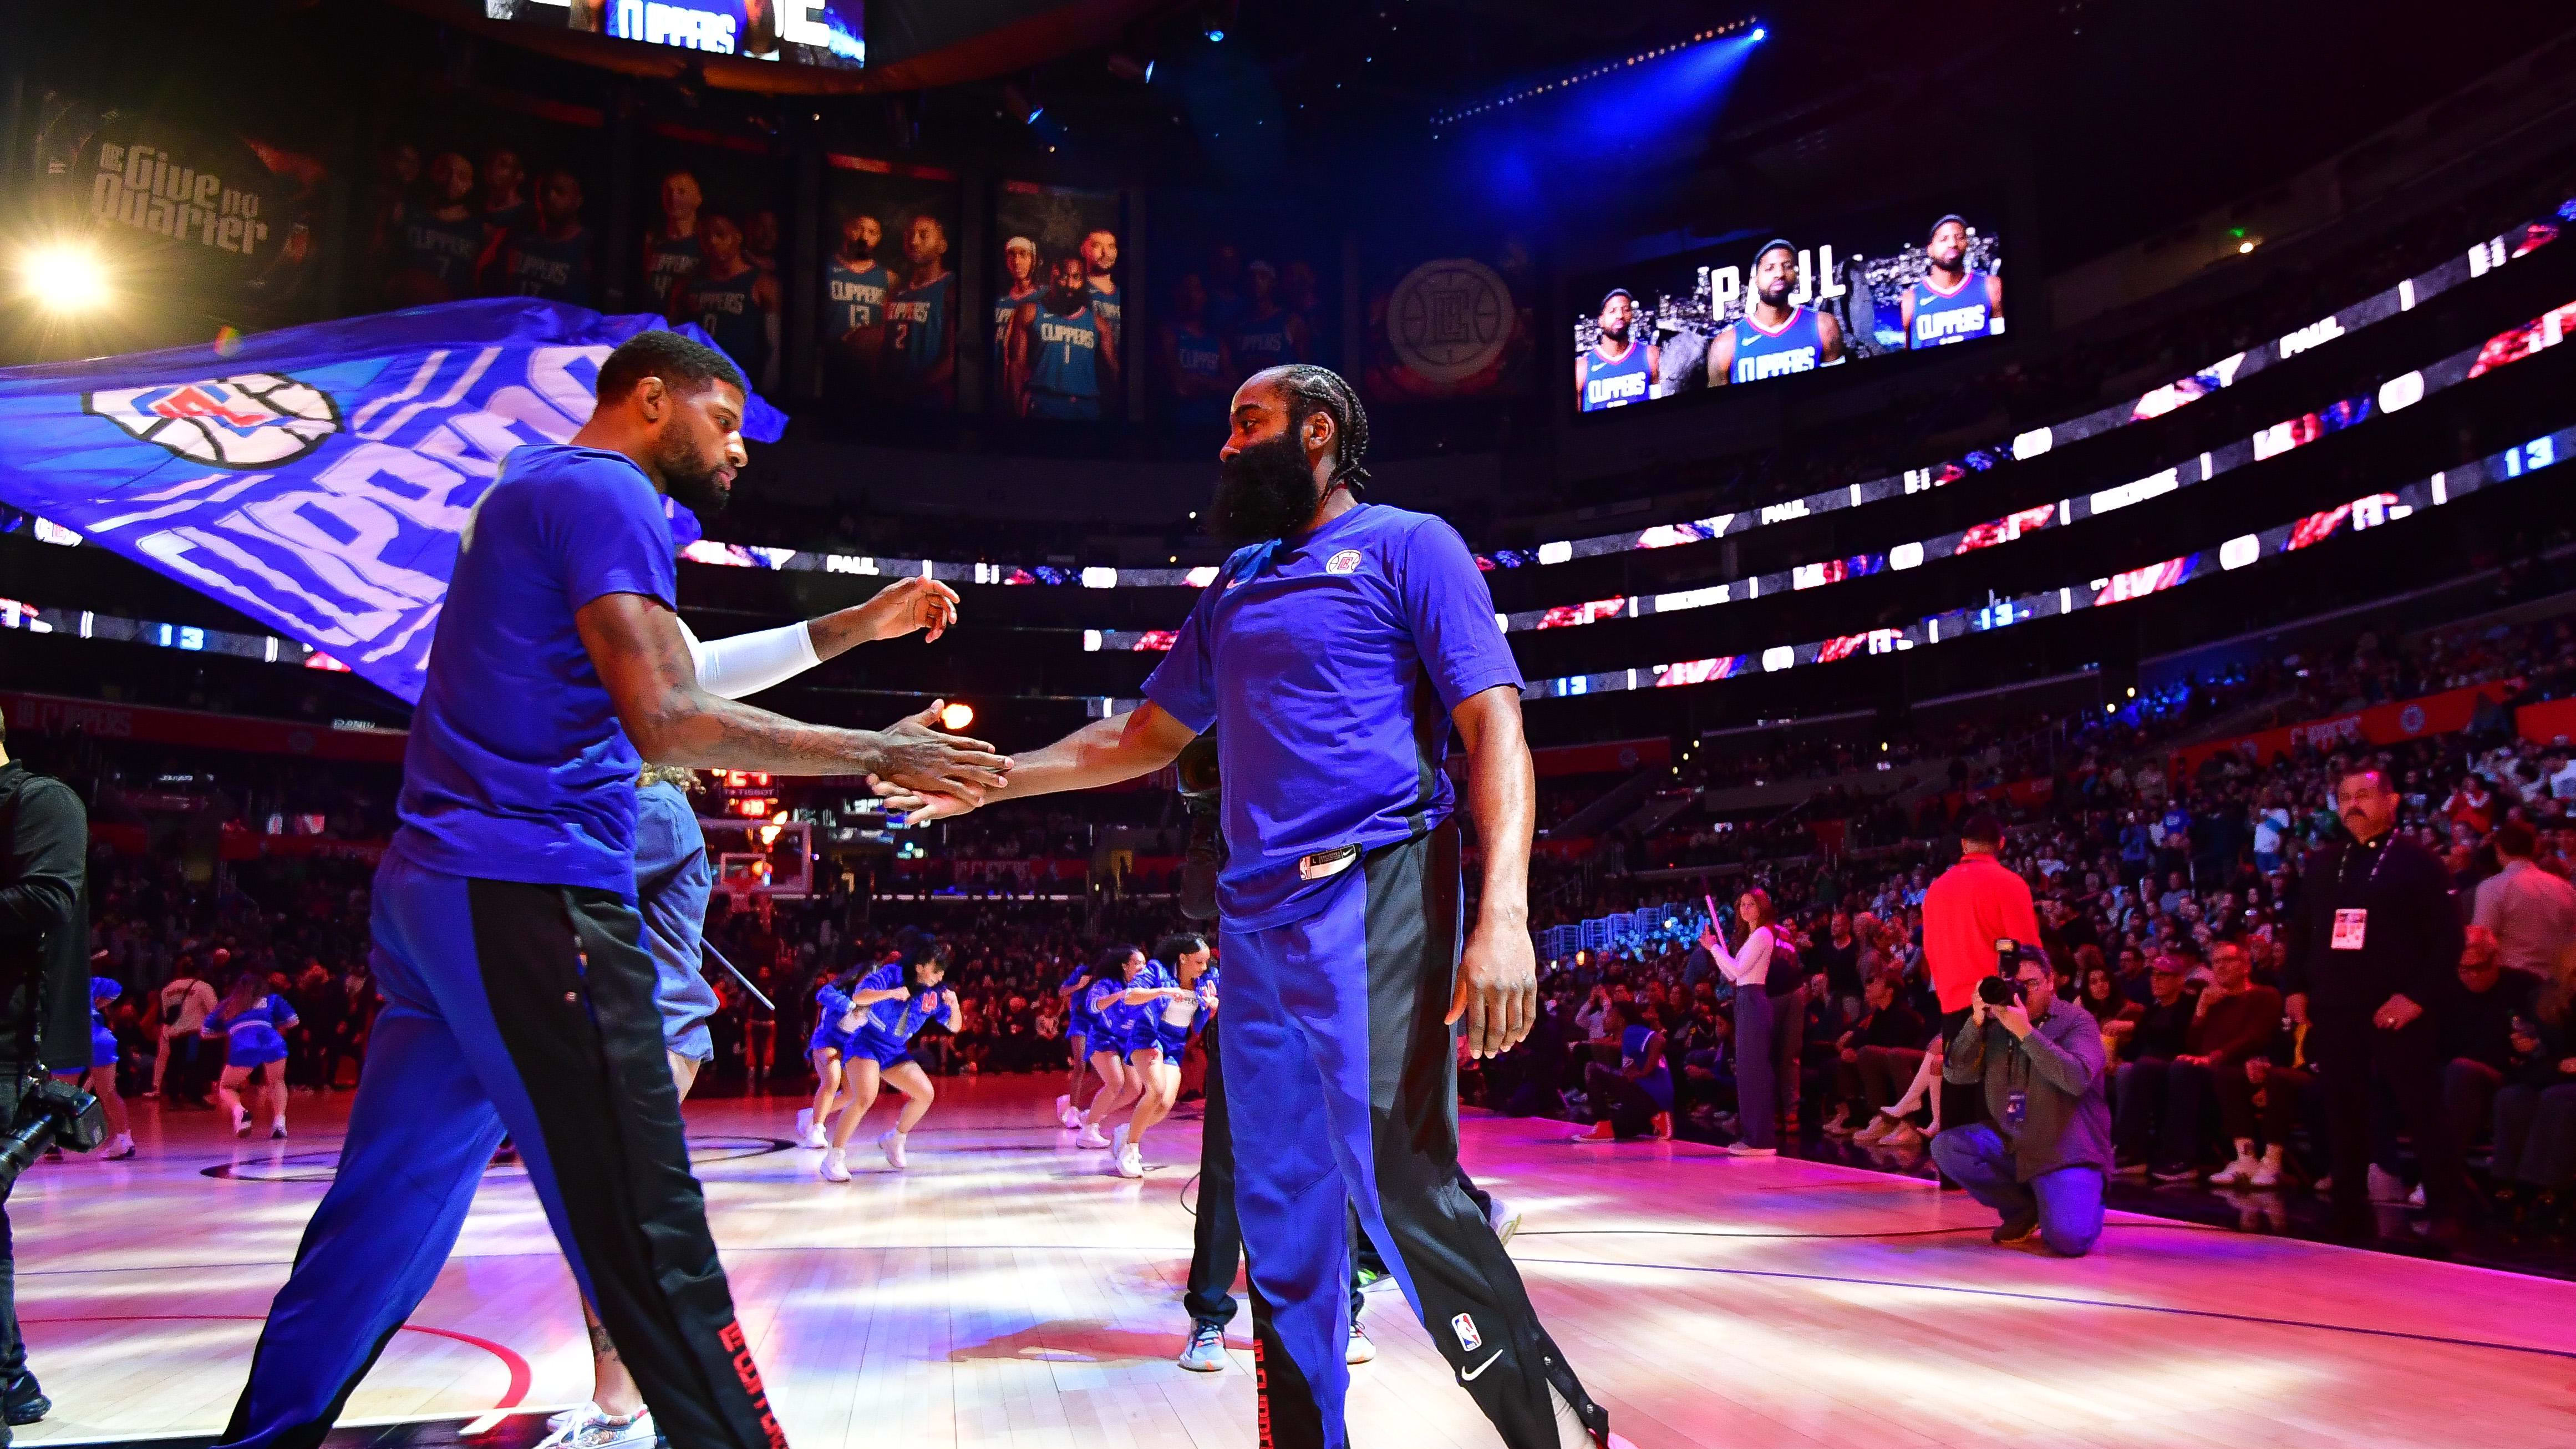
1345, 562
1468, 1338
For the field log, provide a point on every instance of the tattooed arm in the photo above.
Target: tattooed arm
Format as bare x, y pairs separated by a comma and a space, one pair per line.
635, 644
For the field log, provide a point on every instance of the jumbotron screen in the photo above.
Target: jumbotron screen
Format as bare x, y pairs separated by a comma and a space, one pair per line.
804, 32
1774, 304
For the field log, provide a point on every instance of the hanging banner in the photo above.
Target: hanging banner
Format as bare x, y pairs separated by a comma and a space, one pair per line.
2393, 723
315, 478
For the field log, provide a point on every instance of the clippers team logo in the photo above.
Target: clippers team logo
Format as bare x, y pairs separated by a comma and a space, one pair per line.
1448, 320
253, 420
1345, 562
1468, 1338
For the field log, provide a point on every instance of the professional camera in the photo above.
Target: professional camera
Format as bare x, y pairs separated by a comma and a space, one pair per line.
50, 1113
2001, 989
1205, 855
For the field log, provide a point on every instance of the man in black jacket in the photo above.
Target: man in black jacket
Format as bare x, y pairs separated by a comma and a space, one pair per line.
44, 955
2374, 943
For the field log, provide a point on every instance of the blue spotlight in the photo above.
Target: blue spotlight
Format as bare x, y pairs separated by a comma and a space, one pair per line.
1149, 72
1215, 35
1760, 34
1034, 114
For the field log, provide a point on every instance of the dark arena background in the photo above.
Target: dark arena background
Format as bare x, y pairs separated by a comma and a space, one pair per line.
2131, 432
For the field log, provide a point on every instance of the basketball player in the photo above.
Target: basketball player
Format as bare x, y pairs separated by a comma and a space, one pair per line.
760, 239
505, 203
1951, 303
893, 1004
1268, 333
1099, 259
1775, 336
441, 241
552, 260
1060, 362
854, 298
921, 316
507, 939
671, 246
672, 885
1197, 365
736, 302
1618, 369
1332, 653
1020, 268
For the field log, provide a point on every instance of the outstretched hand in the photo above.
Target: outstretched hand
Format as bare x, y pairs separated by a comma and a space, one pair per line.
918, 756
904, 606
920, 807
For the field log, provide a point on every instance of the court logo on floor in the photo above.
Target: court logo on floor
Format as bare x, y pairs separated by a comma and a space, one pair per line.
253, 420
1468, 1338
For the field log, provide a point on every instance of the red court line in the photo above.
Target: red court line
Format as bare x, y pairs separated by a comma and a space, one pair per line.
521, 1376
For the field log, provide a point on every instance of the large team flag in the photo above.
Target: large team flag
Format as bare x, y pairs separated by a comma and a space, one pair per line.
315, 478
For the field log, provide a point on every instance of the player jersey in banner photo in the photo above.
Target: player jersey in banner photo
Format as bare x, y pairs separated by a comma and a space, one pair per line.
1104, 305
1761, 352
732, 316
1330, 664
517, 768
1615, 382
1003, 307
1261, 342
534, 265
920, 319
1953, 316
1064, 372
855, 297
665, 263
446, 250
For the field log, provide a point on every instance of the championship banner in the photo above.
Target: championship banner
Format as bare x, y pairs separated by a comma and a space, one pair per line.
315, 478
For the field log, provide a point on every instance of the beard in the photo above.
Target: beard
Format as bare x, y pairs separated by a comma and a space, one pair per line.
1266, 491
693, 485
1615, 334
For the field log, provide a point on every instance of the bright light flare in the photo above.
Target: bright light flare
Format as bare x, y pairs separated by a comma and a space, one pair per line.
957, 716
63, 278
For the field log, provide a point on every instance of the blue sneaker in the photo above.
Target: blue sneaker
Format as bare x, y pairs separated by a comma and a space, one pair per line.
1206, 1353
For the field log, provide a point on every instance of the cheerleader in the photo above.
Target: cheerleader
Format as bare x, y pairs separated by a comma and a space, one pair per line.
1183, 958
101, 1075
1126, 1002
1079, 1031
251, 1022
899, 998
837, 1008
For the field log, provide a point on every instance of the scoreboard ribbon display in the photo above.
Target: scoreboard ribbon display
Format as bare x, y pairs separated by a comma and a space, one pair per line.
315, 478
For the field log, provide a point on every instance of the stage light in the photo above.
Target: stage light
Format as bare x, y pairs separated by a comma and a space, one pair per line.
1215, 36
1760, 34
957, 716
63, 277
2247, 246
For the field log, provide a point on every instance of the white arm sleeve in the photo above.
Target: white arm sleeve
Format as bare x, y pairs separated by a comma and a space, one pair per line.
749, 663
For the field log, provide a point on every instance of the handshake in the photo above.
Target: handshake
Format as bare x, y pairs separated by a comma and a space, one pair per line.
928, 773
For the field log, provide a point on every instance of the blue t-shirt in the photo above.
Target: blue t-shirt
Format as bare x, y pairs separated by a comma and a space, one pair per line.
517, 768
1332, 663
1109, 1005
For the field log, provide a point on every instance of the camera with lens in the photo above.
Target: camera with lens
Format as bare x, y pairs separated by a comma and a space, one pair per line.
2002, 989
1204, 857
51, 1113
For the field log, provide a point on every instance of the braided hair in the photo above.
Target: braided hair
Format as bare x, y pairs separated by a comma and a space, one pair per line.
1320, 389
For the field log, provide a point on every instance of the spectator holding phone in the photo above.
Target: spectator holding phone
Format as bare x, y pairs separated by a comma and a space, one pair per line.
2041, 1158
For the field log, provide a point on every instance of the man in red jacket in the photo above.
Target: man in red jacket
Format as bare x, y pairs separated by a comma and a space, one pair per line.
1971, 906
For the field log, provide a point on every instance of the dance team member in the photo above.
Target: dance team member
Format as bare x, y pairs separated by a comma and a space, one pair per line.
101, 1073
894, 1003
836, 1015
251, 1024
1079, 1032
1127, 1006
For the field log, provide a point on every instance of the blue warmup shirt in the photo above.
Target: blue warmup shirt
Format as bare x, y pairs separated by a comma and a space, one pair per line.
1954, 316
1078, 1020
1762, 353
1332, 663
899, 1019
831, 1003
1130, 1026
517, 768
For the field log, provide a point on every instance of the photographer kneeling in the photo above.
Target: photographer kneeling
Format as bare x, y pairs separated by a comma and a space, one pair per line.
2041, 1159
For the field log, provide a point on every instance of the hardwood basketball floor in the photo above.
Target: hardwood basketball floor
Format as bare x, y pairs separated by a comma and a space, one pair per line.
1005, 1292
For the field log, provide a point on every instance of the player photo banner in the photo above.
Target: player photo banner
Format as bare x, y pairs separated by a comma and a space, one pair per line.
1771, 306
890, 285
1058, 327
316, 478
829, 33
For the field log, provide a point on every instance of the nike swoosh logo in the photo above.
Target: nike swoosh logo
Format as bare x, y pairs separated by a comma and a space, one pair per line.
1470, 1375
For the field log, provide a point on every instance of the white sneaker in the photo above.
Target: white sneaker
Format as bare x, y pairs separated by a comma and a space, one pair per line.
1118, 1139
277, 1130
804, 1124
817, 1138
120, 1149
241, 1123
1091, 1136
2239, 1173
1361, 1350
1505, 1220
592, 1429
1131, 1162
2265, 1175
892, 1142
1747, 1149
836, 1166
1071, 1116
1063, 1106
2386, 1186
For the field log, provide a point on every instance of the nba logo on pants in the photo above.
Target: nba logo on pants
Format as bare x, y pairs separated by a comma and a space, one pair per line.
1465, 1328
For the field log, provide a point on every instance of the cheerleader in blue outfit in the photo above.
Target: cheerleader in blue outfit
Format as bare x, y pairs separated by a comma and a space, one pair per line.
838, 1005
1079, 1031
252, 1025
1127, 1002
100, 1077
895, 1002
1185, 959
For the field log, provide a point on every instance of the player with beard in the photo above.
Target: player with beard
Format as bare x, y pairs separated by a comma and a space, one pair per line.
1616, 370
1099, 263
443, 241
920, 315
1775, 336
736, 302
1951, 303
1059, 362
1333, 653
854, 289
506, 933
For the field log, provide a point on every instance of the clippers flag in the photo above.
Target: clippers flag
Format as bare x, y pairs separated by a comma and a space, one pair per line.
316, 478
